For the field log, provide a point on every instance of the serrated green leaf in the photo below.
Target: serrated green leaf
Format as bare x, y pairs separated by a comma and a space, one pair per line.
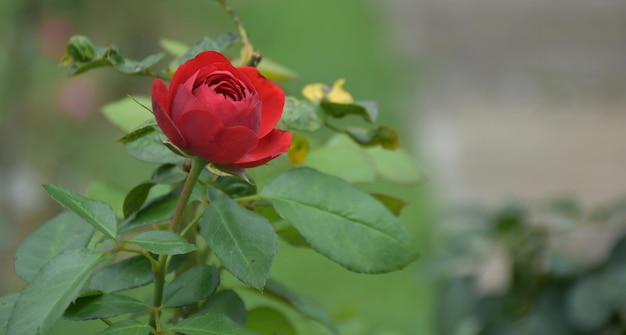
341, 222
127, 114
126, 327
105, 192
269, 321
157, 210
226, 302
136, 198
6, 305
176, 48
151, 148
301, 303
65, 231
367, 110
301, 115
243, 241
126, 274
210, 324
128, 66
103, 306
193, 285
58, 283
235, 186
163, 242
97, 213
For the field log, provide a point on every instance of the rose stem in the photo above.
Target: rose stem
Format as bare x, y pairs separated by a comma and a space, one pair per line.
197, 165
246, 50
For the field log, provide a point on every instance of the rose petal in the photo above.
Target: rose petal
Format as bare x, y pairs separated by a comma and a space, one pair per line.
272, 97
190, 67
275, 143
208, 139
245, 113
183, 100
161, 113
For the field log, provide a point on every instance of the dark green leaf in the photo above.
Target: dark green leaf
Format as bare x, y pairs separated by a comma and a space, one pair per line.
126, 327
103, 306
6, 305
367, 110
168, 174
123, 275
97, 213
235, 186
151, 148
157, 210
128, 113
302, 304
210, 324
269, 321
58, 283
136, 197
193, 285
383, 136
301, 115
228, 303
127, 66
341, 222
65, 231
244, 241
394, 205
586, 306
163, 242
206, 43
137, 134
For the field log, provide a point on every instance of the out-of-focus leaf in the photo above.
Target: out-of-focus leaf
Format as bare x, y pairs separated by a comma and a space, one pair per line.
344, 159
394, 205
176, 48
205, 43
127, 114
168, 174
397, 166
6, 305
126, 327
586, 307
369, 111
65, 231
151, 148
299, 149
137, 134
210, 324
301, 115
105, 192
383, 136
269, 321
228, 303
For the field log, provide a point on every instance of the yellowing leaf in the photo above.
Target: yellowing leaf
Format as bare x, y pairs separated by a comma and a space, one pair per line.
299, 149
317, 92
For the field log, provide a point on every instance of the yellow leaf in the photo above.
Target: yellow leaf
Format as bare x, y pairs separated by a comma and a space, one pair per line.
317, 92
299, 149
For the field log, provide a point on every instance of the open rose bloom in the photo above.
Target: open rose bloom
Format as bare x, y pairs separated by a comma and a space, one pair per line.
221, 113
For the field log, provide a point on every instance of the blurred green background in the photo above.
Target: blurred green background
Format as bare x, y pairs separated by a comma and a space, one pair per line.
51, 130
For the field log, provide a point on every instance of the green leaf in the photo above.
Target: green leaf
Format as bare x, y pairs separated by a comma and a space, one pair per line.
126, 327
163, 242
65, 231
193, 285
206, 43
367, 110
150, 148
58, 283
394, 205
105, 192
97, 213
127, 114
396, 165
341, 222
301, 303
176, 48
235, 186
210, 324
137, 134
586, 307
103, 306
274, 71
157, 210
128, 66
123, 275
226, 302
6, 305
269, 321
244, 241
344, 159
136, 197
168, 174
301, 115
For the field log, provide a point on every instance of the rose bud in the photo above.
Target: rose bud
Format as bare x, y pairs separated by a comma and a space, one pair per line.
221, 113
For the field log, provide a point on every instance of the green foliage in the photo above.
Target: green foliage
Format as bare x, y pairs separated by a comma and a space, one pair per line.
195, 284
332, 209
210, 324
103, 306
163, 242
268, 321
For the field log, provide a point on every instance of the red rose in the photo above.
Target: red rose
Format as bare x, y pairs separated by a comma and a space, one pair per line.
221, 113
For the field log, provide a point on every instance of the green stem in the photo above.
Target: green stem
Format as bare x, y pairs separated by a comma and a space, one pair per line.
246, 50
197, 165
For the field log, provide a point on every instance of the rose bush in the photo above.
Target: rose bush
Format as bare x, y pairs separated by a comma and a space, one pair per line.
221, 113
